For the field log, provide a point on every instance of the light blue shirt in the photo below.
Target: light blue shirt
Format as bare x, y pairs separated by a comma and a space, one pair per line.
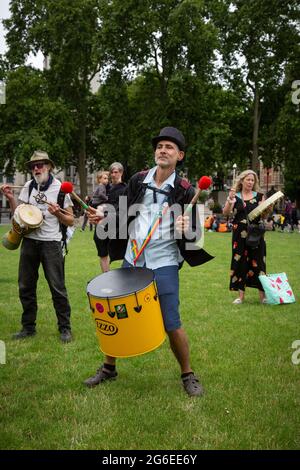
162, 249
239, 195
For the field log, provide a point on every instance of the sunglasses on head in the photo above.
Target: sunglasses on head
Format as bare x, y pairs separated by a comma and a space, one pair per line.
37, 165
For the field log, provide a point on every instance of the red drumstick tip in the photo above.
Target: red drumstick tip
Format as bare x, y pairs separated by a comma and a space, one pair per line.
204, 182
66, 187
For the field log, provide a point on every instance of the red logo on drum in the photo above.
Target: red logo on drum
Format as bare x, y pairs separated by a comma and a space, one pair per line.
105, 327
100, 308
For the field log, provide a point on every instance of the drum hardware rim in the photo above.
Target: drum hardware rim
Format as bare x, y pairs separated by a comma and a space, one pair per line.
91, 307
139, 307
104, 295
110, 312
121, 296
155, 287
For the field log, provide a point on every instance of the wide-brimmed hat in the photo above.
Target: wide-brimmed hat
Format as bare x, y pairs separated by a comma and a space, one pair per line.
39, 156
172, 134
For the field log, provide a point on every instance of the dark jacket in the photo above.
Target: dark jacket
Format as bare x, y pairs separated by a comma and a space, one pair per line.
99, 196
182, 194
114, 191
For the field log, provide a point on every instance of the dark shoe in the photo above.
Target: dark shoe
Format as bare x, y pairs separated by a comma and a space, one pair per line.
192, 386
66, 335
23, 334
102, 375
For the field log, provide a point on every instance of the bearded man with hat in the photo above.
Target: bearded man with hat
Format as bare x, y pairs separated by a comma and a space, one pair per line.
166, 249
43, 246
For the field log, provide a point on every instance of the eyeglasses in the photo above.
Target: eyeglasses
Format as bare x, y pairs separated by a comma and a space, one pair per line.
38, 165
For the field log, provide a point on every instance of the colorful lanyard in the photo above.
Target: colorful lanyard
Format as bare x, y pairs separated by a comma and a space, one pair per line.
134, 248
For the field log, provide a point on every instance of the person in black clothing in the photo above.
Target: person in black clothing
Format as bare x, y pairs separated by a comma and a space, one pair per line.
113, 190
246, 263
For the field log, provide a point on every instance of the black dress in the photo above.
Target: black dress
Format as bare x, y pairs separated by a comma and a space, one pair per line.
246, 263
113, 192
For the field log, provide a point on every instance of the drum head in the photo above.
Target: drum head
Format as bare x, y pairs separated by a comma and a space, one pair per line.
120, 282
30, 215
264, 205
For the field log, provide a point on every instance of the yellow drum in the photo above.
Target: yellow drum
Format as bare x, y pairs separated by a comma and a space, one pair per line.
25, 219
126, 310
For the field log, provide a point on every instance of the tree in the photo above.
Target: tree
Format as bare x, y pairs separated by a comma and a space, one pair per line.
258, 39
112, 136
170, 45
68, 33
287, 131
31, 120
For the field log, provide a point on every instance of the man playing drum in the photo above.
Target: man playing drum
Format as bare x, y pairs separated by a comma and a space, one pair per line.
43, 246
160, 186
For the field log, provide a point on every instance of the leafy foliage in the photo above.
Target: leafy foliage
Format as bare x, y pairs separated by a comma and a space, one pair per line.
31, 120
219, 70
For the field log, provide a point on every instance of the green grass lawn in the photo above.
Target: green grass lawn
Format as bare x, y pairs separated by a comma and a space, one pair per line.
241, 352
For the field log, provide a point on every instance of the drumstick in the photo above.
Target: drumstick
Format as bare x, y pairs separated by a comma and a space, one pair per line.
11, 187
67, 188
203, 183
49, 203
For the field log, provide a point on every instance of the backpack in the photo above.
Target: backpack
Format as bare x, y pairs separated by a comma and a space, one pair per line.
62, 227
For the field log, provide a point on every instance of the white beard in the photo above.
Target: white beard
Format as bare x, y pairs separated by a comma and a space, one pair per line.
43, 178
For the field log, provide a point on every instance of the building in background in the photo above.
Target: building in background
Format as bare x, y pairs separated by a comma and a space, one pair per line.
270, 178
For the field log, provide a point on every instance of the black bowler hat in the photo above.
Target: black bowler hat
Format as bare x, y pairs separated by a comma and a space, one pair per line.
172, 134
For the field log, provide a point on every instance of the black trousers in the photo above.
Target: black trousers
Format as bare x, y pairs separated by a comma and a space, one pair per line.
49, 254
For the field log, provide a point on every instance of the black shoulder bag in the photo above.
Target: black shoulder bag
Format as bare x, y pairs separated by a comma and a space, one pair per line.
255, 231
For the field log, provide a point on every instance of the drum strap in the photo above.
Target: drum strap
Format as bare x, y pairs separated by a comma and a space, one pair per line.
60, 201
157, 190
137, 253
157, 221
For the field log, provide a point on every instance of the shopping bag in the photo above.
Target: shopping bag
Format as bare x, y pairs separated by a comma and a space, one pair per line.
277, 288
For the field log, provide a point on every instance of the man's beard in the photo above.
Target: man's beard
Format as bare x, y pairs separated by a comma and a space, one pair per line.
42, 178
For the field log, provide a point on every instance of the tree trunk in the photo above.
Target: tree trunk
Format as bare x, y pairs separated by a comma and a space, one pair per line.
256, 121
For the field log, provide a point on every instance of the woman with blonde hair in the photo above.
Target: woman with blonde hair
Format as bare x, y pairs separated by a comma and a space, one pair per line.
247, 263
100, 197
